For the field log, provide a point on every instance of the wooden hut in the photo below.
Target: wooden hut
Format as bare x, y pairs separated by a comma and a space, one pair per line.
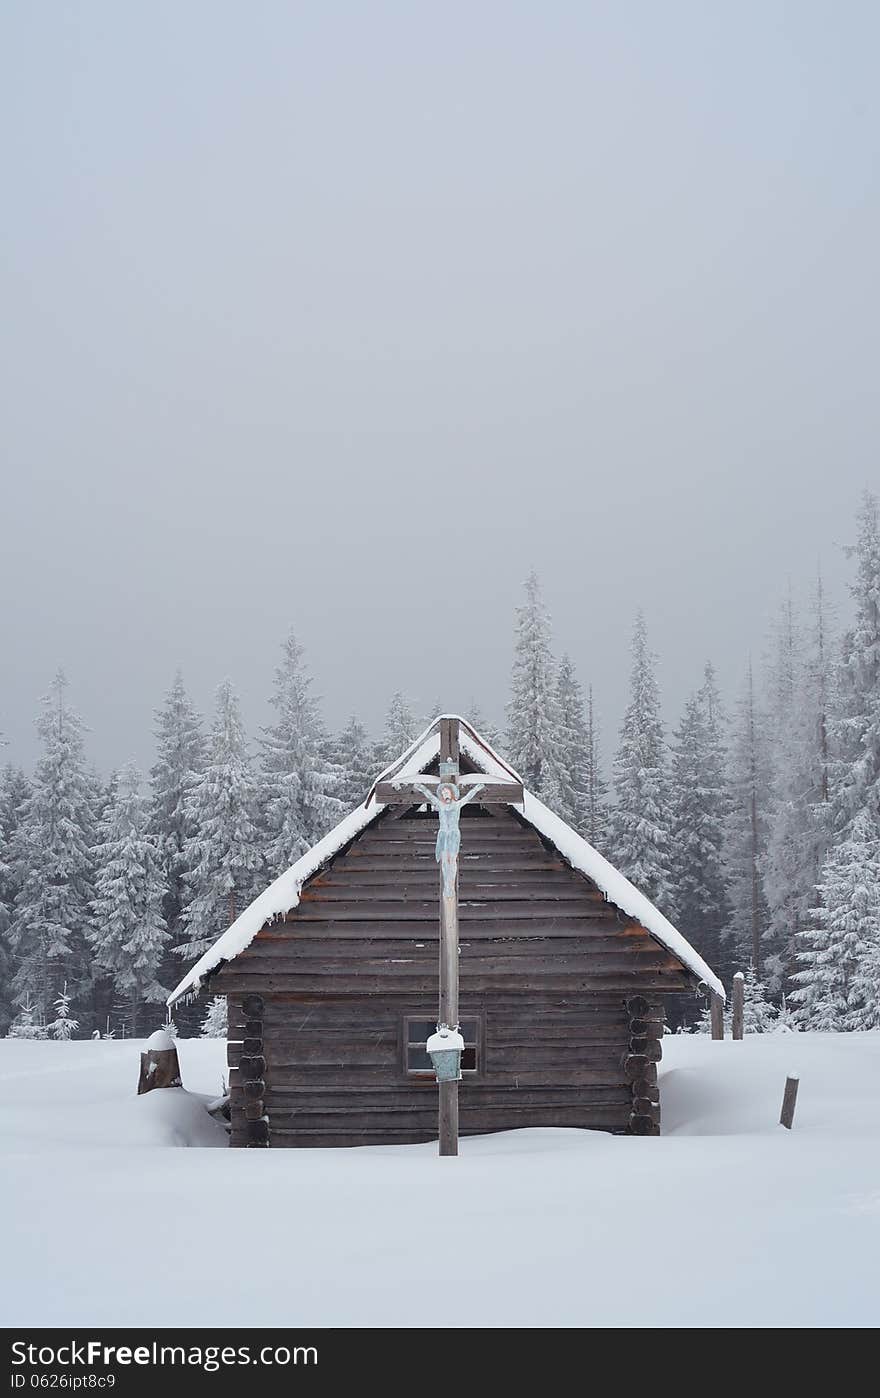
331, 977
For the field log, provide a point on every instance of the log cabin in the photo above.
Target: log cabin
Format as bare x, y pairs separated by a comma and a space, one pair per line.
331, 975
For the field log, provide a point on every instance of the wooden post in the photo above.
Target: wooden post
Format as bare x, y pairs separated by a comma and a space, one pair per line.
448, 1116
716, 1015
447, 1126
789, 1098
739, 991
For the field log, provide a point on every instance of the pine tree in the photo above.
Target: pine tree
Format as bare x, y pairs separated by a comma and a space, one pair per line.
699, 801
225, 857
533, 728
128, 930
180, 759
838, 951
63, 1026
401, 729
856, 730
215, 1024
14, 791
352, 754
574, 797
598, 816
27, 1023
298, 785
759, 1015
477, 719
52, 862
746, 829
642, 819
799, 821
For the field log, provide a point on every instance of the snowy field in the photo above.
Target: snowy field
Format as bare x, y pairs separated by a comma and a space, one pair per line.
727, 1219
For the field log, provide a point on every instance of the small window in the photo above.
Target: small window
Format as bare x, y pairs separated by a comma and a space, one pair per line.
417, 1033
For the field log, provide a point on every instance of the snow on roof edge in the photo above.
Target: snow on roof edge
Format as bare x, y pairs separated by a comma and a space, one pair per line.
283, 894
581, 855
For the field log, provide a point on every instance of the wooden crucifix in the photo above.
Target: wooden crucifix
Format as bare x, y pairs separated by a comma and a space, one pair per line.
446, 795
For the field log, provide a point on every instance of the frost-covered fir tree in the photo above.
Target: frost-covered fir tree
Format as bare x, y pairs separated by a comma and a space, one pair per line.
699, 800
838, 951
856, 729
128, 931
800, 695
642, 819
63, 1026
225, 856
180, 758
52, 862
216, 1021
401, 728
351, 752
476, 717
298, 782
760, 1016
746, 828
14, 791
573, 748
533, 727
598, 816
26, 1024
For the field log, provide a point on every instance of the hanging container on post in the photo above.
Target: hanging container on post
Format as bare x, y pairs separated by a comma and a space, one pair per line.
445, 1049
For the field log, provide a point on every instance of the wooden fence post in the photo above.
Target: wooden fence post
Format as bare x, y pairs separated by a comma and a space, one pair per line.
739, 995
716, 1015
789, 1098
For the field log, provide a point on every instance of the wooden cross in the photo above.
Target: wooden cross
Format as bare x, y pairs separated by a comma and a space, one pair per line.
449, 792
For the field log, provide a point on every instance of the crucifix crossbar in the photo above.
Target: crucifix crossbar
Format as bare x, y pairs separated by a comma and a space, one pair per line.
448, 794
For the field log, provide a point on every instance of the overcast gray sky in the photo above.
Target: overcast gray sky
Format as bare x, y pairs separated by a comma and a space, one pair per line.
302, 300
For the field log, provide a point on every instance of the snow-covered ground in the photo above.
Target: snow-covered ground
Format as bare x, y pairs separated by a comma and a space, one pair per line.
726, 1219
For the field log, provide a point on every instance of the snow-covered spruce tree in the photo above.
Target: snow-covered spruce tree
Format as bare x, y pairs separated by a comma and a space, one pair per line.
63, 1026
573, 748
838, 951
699, 801
401, 728
215, 1024
14, 791
598, 816
533, 728
180, 758
52, 862
224, 858
351, 752
642, 819
856, 730
298, 782
800, 697
26, 1024
759, 1015
128, 931
478, 720
746, 830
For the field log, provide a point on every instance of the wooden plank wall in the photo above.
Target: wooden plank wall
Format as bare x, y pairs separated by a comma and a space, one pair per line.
545, 960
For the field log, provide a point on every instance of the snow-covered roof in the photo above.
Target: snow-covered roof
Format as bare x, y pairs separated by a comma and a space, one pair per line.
284, 894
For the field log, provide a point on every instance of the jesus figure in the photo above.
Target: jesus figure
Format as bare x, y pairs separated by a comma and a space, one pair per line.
448, 803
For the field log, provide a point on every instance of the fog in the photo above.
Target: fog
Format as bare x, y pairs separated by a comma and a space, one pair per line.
344, 317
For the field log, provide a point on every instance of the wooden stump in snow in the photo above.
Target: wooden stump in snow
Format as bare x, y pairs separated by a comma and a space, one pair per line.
159, 1065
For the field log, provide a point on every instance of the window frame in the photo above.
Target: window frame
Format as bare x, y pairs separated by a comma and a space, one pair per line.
425, 1076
